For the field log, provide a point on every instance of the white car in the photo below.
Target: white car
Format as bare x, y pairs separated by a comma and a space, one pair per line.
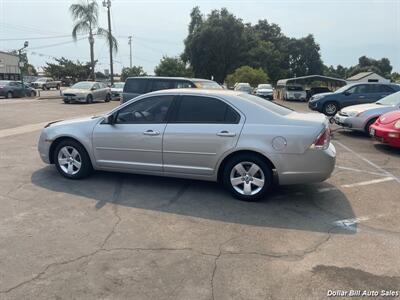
87, 91
116, 90
265, 91
295, 92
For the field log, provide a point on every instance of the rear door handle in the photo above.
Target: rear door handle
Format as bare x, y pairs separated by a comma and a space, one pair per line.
151, 132
226, 133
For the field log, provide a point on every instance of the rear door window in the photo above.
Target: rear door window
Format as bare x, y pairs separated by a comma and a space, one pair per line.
136, 86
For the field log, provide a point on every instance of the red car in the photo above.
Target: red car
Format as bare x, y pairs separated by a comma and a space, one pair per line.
386, 129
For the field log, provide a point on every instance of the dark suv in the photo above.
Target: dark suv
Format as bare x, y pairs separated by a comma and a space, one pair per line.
135, 86
351, 94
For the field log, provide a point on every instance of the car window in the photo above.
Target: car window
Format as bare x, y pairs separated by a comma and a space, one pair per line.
358, 89
96, 86
158, 85
198, 109
149, 110
384, 89
183, 84
135, 85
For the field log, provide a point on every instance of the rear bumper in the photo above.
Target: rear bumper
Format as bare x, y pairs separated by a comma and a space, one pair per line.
313, 166
386, 136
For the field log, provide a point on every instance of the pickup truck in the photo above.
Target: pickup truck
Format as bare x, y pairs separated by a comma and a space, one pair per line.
46, 83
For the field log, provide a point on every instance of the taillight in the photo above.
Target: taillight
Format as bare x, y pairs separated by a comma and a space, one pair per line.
323, 140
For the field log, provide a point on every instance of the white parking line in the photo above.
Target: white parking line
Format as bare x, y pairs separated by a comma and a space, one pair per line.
368, 162
368, 182
349, 223
361, 171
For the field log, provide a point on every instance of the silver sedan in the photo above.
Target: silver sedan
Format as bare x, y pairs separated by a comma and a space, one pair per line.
360, 117
87, 91
237, 139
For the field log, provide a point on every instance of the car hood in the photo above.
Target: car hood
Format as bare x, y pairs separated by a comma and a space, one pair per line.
77, 121
75, 91
363, 107
390, 117
264, 90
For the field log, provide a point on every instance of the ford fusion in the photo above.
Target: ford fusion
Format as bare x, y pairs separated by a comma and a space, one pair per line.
236, 139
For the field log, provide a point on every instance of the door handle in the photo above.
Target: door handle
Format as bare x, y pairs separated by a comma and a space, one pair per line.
361, 96
151, 132
226, 133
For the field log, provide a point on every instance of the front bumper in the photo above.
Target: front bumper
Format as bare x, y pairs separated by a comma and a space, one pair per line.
76, 98
44, 147
313, 105
385, 135
354, 123
116, 96
266, 96
312, 166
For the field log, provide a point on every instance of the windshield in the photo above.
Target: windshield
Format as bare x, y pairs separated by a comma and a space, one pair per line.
391, 100
209, 85
243, 88
276, 108
118, 85
82, 85
264, 86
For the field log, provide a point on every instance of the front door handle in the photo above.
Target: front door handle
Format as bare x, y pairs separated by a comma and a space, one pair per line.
226, 133
151, 132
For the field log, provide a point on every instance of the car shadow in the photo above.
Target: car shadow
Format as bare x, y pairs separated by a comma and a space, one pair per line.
319, 208
387, 149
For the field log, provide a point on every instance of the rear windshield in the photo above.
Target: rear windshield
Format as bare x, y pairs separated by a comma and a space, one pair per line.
276, 108
135, 85
209, 85
294, 88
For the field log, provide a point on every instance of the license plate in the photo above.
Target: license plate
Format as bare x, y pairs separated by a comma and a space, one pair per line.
372, 131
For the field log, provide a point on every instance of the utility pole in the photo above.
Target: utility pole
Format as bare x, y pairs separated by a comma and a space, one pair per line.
130, 51
21, 65
107, 3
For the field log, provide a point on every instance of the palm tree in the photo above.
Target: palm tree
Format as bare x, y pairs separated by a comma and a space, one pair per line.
85, 15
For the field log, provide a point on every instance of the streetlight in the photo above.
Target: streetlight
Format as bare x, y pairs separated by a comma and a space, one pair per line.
21, 65
107, 3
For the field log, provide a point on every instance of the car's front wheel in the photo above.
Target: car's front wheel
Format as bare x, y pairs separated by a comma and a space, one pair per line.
108, 98
72, 160
248, 177
330, 108
89, 99
9, 95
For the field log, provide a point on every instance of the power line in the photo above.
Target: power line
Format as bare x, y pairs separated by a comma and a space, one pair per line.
38, 38
57, 44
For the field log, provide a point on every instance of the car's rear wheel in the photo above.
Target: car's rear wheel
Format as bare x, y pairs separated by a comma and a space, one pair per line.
330, 108
368, 125
248, 177
72, 160
9, 95
89, 99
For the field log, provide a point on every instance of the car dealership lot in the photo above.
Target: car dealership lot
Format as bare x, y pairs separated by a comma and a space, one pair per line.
123, 236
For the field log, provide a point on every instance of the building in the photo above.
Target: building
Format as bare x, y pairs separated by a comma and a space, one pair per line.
367, 77
9, 69
307, 82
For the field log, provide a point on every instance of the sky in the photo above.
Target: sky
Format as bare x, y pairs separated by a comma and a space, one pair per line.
345, 30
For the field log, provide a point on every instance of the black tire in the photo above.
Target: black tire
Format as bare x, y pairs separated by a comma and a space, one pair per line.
9, 95
89, 99
33, 94
330, 108
247, 159
67, 102
368, 125
86, 165
108, 98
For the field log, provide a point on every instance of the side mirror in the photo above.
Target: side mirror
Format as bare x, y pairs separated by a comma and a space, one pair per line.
347, 93
110, 119
93, 88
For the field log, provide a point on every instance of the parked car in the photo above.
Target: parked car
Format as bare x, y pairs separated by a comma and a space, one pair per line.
351, 94
87, 91
386, 129
265, 91
360, 117
14, 89
46, 83
237, 139
294, 92
136, 86
116, 90
317, 90
243, 87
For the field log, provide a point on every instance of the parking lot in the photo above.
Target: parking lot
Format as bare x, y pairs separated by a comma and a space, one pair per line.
119, 236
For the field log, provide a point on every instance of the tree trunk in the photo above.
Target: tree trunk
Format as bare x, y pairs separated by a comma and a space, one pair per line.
91, 42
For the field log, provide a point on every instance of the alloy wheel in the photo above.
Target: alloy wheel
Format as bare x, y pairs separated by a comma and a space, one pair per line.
70, 160
330, 109
247, 178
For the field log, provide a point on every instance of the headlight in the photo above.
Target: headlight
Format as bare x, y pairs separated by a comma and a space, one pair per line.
397, 124
352, 113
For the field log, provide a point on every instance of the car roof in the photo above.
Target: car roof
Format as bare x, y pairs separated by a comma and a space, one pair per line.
168, 78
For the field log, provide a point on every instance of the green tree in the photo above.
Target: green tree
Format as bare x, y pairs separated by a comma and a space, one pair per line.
85, 15
27, 69
132, 72
247, 74
172, 67
395, 77
66, 68
215, 46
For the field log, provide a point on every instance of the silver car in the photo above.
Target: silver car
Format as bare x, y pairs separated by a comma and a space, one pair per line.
234, 138
360, 117
87, 91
